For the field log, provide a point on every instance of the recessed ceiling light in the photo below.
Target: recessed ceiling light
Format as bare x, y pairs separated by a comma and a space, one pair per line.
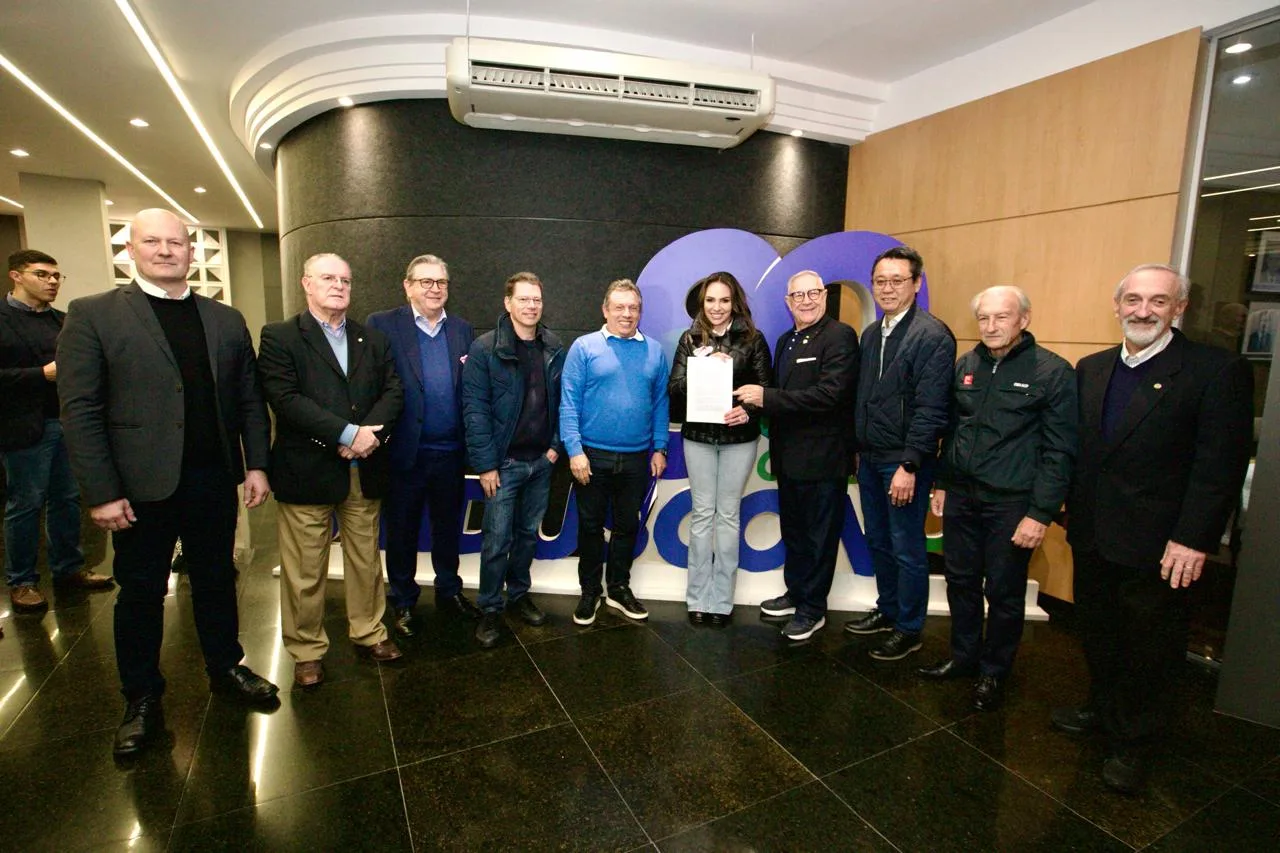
1242, 79
18, 152
346, 102
508, 117
265, 146
10, 201
139, 122
108, 202
201, 190
797, 132
577, 122
1239, 47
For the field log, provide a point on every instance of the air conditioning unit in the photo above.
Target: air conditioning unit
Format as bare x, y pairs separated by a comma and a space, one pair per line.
515, 86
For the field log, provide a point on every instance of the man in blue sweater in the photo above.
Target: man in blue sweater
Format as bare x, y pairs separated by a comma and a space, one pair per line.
613, 423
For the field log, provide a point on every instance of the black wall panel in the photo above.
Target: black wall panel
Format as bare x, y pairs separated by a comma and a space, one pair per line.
381, 183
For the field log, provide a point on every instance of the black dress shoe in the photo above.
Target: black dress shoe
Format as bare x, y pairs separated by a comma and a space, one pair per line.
718, 620
988, 693
528, 611
947, 670
143, 720
403, 624
1125, 771
459, 604
243, 683
697, 617
489, 631
1076, 721
897, 647
874, 622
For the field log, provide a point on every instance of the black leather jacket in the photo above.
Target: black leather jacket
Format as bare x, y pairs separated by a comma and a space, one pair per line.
752, 365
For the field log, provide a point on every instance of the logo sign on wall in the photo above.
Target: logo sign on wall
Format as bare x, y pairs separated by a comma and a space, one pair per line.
661, 550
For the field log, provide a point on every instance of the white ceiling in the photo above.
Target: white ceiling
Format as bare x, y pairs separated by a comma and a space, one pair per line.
84, 54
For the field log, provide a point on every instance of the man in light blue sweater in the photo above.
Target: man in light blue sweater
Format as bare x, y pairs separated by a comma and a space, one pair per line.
613, 422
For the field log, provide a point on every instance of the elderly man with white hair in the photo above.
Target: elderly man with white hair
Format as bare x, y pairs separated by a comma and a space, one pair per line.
1004, 473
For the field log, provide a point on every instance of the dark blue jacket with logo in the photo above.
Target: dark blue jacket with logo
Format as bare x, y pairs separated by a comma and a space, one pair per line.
493, 393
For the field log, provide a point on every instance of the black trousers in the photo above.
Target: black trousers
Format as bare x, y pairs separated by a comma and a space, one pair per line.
436, 481
1134, 627
203, 512
619, 481
981, 561
810, 518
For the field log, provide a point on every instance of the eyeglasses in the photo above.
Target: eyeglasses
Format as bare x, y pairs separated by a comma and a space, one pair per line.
431, 283
330, 278
45, 275
806, 295
527, 300
895, 283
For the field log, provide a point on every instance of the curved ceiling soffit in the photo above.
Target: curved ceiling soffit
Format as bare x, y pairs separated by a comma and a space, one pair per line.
388, 57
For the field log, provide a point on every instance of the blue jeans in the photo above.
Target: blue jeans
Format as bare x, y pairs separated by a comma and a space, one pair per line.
39, 478
717, 475
895, 537
511, 521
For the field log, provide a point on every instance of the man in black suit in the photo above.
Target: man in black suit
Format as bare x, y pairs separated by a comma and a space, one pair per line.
811, 447
333, 387
1165, 436
163, 415
429, 456
37, 471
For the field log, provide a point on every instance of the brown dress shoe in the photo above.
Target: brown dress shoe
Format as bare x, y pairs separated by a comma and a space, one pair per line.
308, 673
383, 652
26, 599
85, 579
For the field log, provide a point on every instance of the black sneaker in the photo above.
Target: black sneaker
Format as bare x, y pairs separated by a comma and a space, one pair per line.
622, 599
528, 611
780, 606
489, 631
897, 647
585, 612
803, 627
874, 622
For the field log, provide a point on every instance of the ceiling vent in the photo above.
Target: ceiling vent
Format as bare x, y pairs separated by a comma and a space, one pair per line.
545, 89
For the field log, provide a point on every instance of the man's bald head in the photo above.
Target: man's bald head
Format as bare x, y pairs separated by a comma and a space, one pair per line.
160, 248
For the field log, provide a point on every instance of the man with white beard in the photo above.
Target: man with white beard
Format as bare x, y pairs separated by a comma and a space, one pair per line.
1165, 437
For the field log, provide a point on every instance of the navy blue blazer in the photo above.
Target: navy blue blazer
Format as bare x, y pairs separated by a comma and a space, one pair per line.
397, 324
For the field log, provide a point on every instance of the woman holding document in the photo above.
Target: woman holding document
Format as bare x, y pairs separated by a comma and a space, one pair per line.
721, 351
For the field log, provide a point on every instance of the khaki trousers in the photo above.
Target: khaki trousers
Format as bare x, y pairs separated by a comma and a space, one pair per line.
305, 534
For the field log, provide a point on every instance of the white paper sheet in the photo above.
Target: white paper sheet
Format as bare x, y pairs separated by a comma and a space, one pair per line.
709, 387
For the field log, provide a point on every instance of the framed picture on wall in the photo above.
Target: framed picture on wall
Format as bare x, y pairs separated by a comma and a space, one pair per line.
1266, 274
1261, 330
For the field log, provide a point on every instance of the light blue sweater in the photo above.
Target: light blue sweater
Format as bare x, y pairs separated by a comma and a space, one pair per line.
614, 395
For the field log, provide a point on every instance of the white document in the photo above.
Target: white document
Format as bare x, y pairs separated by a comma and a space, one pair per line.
709, 386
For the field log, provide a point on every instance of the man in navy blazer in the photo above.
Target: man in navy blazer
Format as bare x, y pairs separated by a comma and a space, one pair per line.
428, 455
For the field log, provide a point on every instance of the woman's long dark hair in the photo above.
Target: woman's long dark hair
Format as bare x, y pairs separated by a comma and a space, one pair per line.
737, 302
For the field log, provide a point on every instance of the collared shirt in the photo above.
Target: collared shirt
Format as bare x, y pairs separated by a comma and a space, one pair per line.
1143, 355
159, 292
886, 329
22, 306
638, 336
337, 338
425, 324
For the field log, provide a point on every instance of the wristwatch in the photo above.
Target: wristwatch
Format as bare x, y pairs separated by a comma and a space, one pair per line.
661, 450
909, 466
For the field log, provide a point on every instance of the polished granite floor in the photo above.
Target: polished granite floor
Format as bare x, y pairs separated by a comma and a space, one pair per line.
618, 737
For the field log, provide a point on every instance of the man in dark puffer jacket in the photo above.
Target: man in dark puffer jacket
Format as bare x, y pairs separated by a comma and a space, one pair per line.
904, 390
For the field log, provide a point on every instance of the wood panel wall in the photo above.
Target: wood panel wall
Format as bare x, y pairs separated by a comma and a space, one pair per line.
1059, 186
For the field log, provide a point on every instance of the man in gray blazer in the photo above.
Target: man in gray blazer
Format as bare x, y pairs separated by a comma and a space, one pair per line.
163, 413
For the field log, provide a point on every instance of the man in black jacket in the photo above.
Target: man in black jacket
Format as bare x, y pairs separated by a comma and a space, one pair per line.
511, 403
904, 389
333, 387
810, 449
1006, 465
37, 470
1165, 436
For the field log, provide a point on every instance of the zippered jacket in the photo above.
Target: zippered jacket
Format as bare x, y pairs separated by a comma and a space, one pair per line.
1013, 429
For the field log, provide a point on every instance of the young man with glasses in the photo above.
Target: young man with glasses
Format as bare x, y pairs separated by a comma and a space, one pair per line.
511, 402
428, 456
37, 470
810, 448
904, 393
